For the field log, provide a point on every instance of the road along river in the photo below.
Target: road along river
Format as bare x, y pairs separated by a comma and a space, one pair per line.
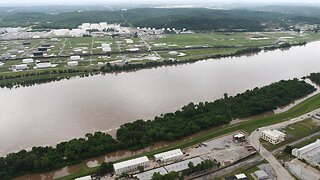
49, 113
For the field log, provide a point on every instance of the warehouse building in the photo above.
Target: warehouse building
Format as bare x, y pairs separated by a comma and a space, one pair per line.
21, 67
309, 153
72, 63
43, 64
183, 165
147, 175
75, 58
37, 53
273, 136
173, 155
130, 165
26, 61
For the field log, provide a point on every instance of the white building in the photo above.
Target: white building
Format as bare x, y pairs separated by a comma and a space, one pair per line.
42, 65
26, 61
21, 67
61, 32
72, 63
75, 58
174, 155
106, 47
273, 136
129, 41
130, 165
1, 64
310, 153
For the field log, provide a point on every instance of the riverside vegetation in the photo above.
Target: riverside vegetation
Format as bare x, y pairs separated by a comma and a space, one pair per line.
190, 119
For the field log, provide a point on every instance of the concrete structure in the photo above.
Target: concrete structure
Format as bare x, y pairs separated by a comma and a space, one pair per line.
75, 58
61, 32
72, 63
129, 41
239, 137
106, 47
84, 178
133, 49
273, 136
21, 67
241, 176
309, 153
45, 64
147, 175
26, 61
174, 155
183, 165
78, 51
261, 175
130, 165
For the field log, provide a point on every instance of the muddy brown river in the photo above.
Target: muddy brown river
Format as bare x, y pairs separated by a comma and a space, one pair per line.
50, 113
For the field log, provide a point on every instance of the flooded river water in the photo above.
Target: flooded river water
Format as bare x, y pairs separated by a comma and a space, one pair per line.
49, 113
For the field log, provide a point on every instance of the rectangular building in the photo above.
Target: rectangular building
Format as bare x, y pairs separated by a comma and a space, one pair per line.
309, 153
130, 165
183, 165
273, 136
147, 175
173, 155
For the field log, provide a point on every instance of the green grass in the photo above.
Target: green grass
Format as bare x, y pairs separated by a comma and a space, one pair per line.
83, 172
306, 106
295, 132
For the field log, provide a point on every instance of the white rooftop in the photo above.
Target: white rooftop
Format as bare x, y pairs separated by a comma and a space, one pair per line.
241, 176
130, 162
274, 133
239, 135
169, 154
261, 174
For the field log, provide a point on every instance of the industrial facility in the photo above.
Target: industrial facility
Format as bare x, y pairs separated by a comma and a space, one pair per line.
310, 153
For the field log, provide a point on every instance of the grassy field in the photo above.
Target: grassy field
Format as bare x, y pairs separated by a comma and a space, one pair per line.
306, 106
231, 39
295, 132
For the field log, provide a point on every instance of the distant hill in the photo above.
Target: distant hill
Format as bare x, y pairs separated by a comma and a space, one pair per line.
191, 18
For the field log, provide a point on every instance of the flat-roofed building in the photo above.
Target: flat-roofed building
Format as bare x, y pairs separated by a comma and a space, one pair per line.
147, 175
130, 165
21, 67
273, 136
309, 153
173, 155
183, 165
84, 178
261, 175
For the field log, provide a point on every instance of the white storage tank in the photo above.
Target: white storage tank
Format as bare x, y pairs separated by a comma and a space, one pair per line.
26, 61
72, 63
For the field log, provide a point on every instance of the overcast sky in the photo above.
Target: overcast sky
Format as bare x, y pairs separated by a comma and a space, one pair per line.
79, 2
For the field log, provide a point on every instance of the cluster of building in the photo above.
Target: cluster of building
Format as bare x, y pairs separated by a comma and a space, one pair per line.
310, 153
161, 158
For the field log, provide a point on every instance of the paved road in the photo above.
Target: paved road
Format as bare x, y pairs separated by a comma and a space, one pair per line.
254, 137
